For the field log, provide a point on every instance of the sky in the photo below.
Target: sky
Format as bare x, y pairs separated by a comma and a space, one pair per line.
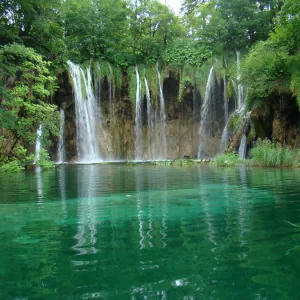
174, 4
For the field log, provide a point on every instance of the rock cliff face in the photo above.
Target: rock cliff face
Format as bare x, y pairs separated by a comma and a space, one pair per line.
278, 120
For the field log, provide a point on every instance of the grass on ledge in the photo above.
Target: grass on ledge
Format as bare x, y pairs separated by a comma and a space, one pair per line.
264, 154
228, 159
268, 154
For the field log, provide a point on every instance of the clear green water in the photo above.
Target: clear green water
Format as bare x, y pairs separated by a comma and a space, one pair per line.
118, 232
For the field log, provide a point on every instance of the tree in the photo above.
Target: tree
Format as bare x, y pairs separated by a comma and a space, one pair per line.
97, 29
230, 24
26, 85
153, 27
35, 23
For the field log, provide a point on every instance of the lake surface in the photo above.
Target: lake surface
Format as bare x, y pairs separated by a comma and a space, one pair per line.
150, 232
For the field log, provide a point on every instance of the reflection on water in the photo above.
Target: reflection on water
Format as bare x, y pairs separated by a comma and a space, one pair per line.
86, 236
39, 183
147, 232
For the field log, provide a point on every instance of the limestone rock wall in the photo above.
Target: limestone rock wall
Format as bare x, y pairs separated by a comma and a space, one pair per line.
116, 130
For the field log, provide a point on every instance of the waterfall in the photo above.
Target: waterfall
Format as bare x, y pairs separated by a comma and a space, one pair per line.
150, 120
239, 101
138, 117
240, 88
38, 144
243, 147
61, 153
225, 137
163, 117
87, 113
207, 115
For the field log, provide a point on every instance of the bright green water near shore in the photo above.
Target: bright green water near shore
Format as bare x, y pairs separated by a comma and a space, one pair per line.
144, 232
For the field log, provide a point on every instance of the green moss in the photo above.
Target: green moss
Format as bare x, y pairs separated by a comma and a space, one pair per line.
234, 122
152, 78
83, 88
131, 72
230, 89
251, 135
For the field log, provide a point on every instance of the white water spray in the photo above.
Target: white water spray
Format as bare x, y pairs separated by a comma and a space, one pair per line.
206, 115
138, 117
38, 144
243, 147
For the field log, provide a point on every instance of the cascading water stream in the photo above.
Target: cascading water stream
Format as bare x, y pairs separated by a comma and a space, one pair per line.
163, 118
138, 117
150, 119
240, 101
243, 147
38, 144
225, 137
61, 153
87, 112
207, 114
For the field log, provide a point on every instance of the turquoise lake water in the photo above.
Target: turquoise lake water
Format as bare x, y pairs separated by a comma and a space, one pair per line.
150, 232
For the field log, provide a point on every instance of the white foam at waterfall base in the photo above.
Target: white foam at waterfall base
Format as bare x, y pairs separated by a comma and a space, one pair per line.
87, 114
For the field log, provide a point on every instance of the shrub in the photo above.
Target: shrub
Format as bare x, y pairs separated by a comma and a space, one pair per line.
268, 154
11, 167
45, 161
228, 159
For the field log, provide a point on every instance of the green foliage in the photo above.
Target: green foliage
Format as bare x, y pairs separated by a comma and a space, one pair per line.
228, 159
152, 78
230, 24
22, 156
17, 162
268, 154
181, 162
186, 52
131, 73
26, 87
234, 122
189, 77
294, 70
45, 161
35, 23
265, 71
96, 29
11, 167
